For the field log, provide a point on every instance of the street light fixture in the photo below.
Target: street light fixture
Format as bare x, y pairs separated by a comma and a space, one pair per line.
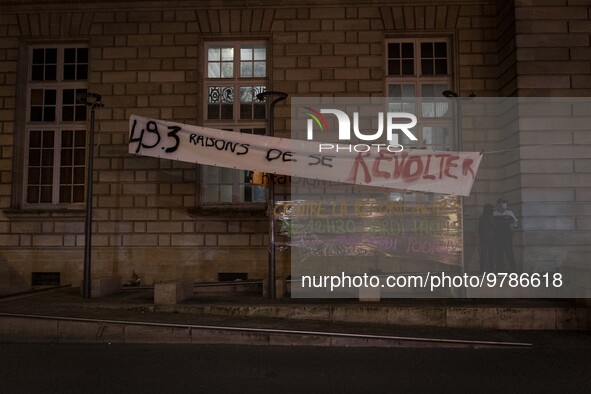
93, 101
279, 96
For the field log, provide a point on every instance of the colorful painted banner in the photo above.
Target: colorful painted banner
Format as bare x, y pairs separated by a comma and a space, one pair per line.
372, 165
413, 232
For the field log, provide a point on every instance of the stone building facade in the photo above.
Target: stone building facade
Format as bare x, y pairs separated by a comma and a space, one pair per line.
166, 220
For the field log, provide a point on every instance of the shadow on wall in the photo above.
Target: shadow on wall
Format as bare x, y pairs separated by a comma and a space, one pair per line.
11, 282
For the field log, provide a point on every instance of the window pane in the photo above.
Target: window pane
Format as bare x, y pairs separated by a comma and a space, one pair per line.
66, 157
394, 67
260, 69
65, 175
65, 194
79, 175
82, 72
227, 70
68, 96
213, 54
394, 51
38, 56
245, 111
79, 156
51, 55
259, 111
82, 55
227, 111
35, 139
48, 139
426, 50
211, 174
68, 114
395, 91
441, 49
227, 53
260, 53
50, 73
67, 138
441, 66
213, 111
70, 55
246, 69
34, 175
436, 138
225, 193
408, 67
36, 114
50, 96
78, 193
49, 114
46, 175
213, 70
34, 157
80, 138
37, 97
408, 50
46, 192
246, 53
211, 193
33, 194
37, 73
47, 157
427, 67
69, 72
80, 112
220, 94
226, 175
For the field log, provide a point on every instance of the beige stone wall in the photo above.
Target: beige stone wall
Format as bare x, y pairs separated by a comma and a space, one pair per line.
554, 60
146, 61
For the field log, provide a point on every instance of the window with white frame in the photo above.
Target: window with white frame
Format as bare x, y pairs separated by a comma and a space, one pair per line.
55, 155
235, 73
417, 73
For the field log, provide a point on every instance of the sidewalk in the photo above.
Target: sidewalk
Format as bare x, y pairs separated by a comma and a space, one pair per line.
62, 315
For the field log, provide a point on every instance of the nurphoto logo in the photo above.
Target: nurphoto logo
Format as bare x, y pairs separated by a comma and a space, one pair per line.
395, 121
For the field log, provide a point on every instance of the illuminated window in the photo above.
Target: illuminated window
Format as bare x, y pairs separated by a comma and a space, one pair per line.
417, 72
236, 73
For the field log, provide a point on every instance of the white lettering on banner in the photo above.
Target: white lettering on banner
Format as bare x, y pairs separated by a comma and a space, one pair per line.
417, 170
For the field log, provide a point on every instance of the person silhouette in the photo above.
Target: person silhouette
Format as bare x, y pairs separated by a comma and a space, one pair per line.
505, 223
486, 236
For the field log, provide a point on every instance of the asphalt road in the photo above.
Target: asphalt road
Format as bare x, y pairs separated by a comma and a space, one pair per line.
560, 363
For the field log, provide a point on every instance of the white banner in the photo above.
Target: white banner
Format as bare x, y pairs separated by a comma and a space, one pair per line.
418, 170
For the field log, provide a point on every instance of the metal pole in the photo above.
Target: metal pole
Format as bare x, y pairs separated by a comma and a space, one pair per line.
86, 287
457, 100
271, 191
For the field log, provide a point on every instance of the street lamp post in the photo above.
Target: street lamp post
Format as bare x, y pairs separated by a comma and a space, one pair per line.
280, 96
93, 101
450, 94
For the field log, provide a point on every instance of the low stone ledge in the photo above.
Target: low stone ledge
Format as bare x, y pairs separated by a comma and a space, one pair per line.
173, 292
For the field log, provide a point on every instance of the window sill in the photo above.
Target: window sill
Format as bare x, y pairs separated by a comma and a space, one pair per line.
44, 213
229, 211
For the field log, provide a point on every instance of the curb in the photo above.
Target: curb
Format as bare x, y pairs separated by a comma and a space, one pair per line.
15, 328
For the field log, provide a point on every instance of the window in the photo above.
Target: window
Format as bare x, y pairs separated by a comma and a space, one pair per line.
418, 71
236, 73
55, 156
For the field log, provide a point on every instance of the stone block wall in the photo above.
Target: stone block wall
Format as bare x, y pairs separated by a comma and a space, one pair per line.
147, 60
